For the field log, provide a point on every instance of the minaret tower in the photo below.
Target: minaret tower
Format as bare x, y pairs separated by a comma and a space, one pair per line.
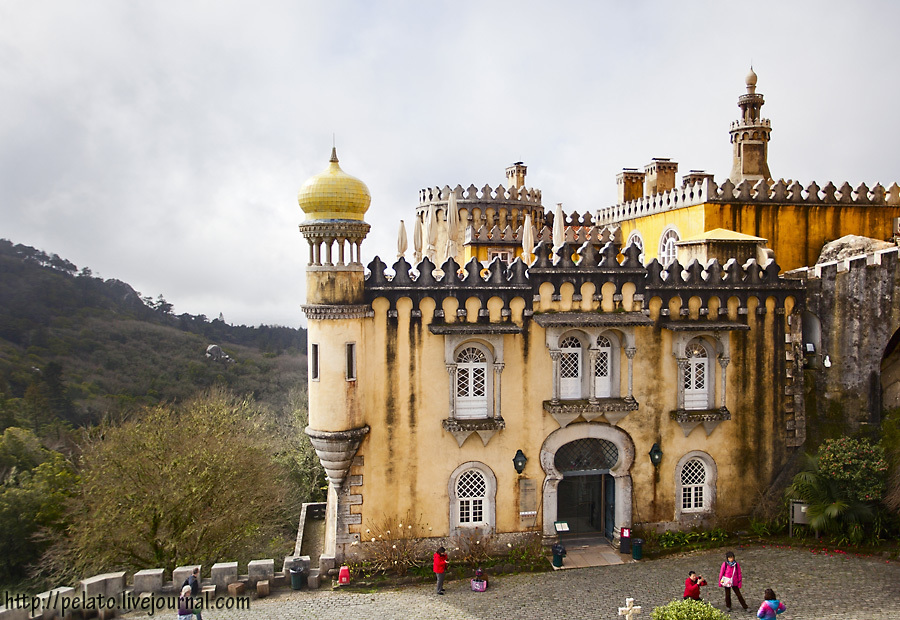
335, 203
750, 138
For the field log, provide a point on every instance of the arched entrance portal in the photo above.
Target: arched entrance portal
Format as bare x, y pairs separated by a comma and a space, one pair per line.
586, 496
588, 482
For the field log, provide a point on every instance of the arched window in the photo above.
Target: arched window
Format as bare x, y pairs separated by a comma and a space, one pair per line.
635, 238
695, 485
603, 368
570, 362
697, 378
472, 490
667, 249
471, 383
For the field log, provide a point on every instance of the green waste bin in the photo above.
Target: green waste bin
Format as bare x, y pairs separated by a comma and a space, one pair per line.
298, 576
558, 553
637, 548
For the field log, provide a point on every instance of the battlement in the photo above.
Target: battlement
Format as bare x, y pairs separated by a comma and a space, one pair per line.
888, 258
577, 230
518, 196
760, 192
760, 122
577, 265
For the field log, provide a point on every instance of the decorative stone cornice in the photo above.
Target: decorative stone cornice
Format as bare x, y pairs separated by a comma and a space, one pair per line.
462, 429
336, 450
348, 229
709, 418
322, 312
567, 411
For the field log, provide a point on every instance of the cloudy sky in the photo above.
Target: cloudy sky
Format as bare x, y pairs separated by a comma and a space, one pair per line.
163, 143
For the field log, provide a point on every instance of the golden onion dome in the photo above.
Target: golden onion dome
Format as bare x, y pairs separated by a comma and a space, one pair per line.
334, 195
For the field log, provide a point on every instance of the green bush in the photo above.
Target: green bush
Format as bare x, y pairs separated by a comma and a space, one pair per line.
858, 468
687, 610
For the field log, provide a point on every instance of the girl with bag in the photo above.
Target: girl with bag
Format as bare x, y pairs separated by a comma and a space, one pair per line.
730, 579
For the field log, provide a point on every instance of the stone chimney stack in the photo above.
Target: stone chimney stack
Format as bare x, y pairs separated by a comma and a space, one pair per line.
695, 176
660, 176
630, 183
515, 175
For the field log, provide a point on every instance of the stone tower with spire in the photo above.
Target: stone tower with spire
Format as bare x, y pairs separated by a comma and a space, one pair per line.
750, 137
334, 203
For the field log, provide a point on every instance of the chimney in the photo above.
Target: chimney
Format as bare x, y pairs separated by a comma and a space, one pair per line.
695, 176
515, 175
660, 175
630, 183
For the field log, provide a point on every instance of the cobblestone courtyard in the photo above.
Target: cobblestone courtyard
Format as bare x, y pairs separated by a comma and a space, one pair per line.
813, 586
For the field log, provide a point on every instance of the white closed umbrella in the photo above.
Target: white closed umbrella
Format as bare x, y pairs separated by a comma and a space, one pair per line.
430, 232
402, 241
559, 230
527, 240
452, 226
417, 240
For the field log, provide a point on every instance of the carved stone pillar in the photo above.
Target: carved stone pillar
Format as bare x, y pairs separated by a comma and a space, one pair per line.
498, 368
629, 353
723, 364
683, 370
451, 370
554, 356
592, 378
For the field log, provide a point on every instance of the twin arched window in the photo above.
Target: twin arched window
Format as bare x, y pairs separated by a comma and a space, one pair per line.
574, 366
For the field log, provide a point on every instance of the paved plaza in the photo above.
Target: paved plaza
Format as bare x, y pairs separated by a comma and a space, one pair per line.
813, 586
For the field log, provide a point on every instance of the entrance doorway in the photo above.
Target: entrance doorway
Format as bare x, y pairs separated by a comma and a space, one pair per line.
586, 496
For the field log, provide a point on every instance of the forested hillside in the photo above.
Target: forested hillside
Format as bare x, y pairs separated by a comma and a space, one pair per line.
101, 387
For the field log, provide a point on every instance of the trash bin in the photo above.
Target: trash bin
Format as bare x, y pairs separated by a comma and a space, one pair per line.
637, 548
625, 545
559, 553
298, 576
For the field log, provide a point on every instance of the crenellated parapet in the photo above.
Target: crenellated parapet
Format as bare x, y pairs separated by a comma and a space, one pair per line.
486, 207
574, 233
579, 265
761, 192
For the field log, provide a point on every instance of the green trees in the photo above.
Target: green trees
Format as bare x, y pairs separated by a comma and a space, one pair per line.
842, 485
193, 484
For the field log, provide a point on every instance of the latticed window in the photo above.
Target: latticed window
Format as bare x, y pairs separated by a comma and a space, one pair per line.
570, 367
471, 383
603, 368
586, 455
693, 485
470, 492
696, 392
667, 249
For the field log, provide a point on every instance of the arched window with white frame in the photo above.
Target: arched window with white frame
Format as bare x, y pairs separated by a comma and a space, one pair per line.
695, 484
472, 490
636, 239
603, 368
698, 380
472, 398
571, 360
667, 250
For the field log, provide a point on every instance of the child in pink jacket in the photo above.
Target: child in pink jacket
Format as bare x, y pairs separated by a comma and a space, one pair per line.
730, 579
770, 607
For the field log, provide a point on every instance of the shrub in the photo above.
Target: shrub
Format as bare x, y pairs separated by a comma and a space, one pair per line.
858, 468
393, 547
687, 610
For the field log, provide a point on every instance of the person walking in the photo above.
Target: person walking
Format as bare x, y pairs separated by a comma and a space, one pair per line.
185, 604
730, 579
440, 566
193, 582
771, 606
692, 586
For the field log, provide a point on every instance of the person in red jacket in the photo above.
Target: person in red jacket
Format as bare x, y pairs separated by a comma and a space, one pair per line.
692, 586
440, 565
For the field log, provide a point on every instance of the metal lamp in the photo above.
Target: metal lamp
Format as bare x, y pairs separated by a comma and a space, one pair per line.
656, 454
519, 461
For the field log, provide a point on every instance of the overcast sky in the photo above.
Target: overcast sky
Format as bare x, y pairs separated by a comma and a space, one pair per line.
163, 143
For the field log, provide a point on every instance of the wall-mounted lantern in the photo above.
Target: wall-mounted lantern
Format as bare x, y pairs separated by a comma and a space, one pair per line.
519, 461
656, 454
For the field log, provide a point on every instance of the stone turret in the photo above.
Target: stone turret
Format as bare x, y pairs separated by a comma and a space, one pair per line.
660, 176
515, 174
750, 138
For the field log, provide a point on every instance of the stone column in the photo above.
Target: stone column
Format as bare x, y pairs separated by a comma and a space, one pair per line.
592, 377
451, 370
723, 364
498, 368
683, 368
629, 353
554, 356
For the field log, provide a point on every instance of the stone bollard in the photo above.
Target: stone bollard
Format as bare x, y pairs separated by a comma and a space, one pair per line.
236, 589
223, 574
148, 580
262, 588
258, 570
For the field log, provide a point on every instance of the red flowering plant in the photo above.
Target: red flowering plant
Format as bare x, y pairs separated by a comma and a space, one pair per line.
857, 467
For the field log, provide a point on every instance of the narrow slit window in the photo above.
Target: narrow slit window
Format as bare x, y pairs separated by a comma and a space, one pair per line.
351, 361
314, 362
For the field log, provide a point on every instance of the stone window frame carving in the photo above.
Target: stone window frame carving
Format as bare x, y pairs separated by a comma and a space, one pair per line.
485, 427
489, 506
709, 487
718, 347
622, 341
668, 254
